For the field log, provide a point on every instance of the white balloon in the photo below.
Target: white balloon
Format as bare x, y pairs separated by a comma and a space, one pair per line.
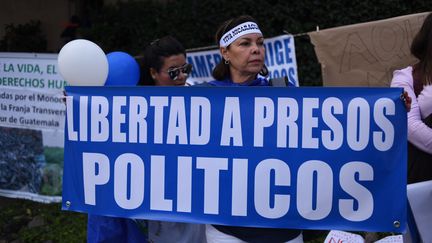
83, 63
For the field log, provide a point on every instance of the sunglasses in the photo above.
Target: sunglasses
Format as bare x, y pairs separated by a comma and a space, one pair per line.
174, 73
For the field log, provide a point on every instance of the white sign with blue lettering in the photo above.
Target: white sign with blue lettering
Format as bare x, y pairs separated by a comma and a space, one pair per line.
280, 60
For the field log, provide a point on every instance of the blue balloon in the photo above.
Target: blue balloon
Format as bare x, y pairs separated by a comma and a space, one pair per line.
123, 69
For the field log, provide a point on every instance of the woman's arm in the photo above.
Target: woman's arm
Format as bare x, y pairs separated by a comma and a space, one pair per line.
424, 101
419, 133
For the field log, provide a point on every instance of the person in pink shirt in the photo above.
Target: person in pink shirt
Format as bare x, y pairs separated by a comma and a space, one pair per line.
416, 80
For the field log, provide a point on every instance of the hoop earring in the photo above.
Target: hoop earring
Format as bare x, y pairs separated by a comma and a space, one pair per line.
264, 71
226, 62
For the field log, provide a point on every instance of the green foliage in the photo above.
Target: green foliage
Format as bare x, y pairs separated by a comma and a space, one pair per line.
26, 37
52, 172
130, 26
54, 155
56, 225
52, 175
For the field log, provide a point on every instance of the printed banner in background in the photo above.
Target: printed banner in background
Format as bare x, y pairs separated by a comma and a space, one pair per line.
366, 54
32, 115
31, 92
310, 158
280, 60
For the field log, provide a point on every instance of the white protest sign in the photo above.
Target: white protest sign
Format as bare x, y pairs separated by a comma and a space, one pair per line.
337, 236
30, 71
31, 91
280, 60
32, 118
29, 109
391, 239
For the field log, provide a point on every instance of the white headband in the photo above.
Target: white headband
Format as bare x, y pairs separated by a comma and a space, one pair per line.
238, 31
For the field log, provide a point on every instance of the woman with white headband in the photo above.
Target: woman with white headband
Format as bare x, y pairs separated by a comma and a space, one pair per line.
241, 44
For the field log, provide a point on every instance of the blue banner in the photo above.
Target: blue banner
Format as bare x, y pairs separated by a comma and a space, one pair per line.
309, 158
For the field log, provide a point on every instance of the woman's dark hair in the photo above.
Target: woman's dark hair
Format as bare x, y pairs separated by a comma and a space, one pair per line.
421, 48
154, 55
221, 71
